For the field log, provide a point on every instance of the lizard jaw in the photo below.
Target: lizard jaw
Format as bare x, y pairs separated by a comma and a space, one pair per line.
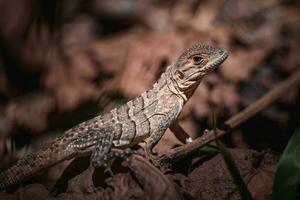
218, 59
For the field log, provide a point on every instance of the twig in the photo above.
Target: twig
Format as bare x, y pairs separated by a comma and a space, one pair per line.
278, 91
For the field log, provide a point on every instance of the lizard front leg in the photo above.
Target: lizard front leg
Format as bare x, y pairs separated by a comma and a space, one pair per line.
150, 143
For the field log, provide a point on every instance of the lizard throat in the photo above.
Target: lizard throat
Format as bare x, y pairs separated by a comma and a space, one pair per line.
175, 90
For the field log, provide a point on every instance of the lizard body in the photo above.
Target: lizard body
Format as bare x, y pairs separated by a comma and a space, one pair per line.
145, 118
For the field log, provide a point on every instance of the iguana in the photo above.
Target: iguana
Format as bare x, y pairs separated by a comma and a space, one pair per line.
143, 119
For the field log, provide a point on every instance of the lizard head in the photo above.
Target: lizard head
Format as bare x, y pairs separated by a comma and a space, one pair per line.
192, 65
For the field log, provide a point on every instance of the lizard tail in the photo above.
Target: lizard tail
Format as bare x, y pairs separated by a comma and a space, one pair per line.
31, 164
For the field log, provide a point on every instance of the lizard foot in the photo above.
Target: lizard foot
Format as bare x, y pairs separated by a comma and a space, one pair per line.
103, 162
107, 168
159, 161
123, 154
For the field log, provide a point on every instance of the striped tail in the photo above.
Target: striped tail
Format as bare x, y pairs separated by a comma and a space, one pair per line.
31, 164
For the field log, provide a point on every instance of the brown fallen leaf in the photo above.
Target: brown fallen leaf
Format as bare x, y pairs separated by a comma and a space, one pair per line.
241, 63
261, 184
31, 112
225, 96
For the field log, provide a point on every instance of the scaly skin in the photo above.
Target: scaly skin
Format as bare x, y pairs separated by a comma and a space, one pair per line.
143, 119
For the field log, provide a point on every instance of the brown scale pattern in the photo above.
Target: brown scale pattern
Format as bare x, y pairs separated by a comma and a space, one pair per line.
146, 116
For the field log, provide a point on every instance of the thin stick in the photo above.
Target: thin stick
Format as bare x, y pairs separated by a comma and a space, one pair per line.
292, 83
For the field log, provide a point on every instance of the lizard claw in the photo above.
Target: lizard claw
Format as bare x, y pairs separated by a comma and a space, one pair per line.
206, 131
108, 169
189, 140
158, 160
161, 162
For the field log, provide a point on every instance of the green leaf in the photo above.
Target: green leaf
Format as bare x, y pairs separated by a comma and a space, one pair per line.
288, 170
234, 171
230, 163
210, 149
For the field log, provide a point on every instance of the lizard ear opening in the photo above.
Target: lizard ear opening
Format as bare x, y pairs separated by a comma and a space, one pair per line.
179, 74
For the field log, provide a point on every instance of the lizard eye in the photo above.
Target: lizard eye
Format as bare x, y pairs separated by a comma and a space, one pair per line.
197, 60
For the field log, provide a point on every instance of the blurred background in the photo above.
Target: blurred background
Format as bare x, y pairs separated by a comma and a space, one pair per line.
65, 61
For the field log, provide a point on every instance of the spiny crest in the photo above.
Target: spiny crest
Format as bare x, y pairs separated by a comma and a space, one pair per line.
197, 48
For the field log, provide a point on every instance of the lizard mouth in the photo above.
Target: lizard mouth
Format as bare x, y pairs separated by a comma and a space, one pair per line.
219, 59
195, 76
